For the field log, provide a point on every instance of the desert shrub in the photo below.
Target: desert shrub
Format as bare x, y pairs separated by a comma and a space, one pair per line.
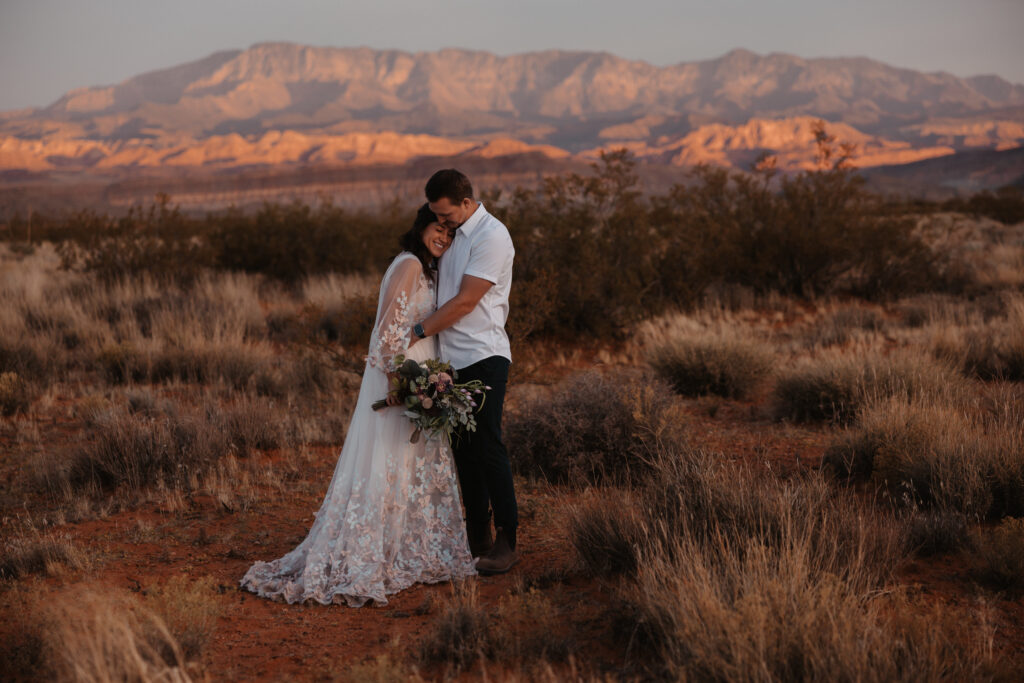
594, 428
121, 363
717, 501
157, 241
606, 531
136, 452
743, 575
348, 324
15, 396
759, 612
104, 637
249, 424
523, 629
811, 234
42, 554
26, 359
600, 225
932, 453
990, 351
834, 386
233, 365
1005, 205
292, 241
23, 647
724, 365
310, 374
462, 634
937, 532
380, 669
999, 554
189, 608
841, 325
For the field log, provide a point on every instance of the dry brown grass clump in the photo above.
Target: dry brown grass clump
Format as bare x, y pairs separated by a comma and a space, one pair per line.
987, 350
741, 575
842, 325
722, 365
189, 608
92, 636
708, 352
46, 554
525, 630
937, 532
594, 428
462, 634
175, 449
755, 612
999, 555
380, 669
14, 394
606, 531
938, 454
834, 385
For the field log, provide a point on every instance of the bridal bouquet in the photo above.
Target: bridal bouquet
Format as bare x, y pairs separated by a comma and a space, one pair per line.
432, 400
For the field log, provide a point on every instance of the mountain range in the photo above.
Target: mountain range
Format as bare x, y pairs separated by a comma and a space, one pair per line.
279, 105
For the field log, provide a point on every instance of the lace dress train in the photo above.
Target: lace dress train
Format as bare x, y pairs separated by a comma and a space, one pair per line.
392, 515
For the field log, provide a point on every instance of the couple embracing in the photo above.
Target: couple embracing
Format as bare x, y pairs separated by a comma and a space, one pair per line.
392, 515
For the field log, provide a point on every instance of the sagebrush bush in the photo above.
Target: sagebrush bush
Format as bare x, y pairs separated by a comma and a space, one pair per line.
593, 428
723, 365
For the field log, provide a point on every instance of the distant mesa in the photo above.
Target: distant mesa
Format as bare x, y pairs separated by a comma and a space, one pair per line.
282, 104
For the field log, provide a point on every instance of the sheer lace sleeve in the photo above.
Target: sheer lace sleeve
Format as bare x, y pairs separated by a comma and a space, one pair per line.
393, 329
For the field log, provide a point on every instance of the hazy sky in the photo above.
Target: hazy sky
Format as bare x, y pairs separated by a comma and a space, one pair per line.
48, 47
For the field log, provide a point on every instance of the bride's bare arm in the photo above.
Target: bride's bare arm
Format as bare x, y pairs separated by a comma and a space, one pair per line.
471, 290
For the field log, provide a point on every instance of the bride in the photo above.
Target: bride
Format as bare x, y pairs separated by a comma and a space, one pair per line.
392, 514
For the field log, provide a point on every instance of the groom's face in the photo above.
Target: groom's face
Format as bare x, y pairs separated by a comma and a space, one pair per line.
451, 215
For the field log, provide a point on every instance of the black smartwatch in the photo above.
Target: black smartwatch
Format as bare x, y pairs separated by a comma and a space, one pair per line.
417, 329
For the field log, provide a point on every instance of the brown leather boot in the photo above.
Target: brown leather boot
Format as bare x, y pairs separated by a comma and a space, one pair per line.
479, 537
501, 558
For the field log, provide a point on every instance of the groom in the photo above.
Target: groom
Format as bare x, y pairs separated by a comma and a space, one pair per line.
474, 279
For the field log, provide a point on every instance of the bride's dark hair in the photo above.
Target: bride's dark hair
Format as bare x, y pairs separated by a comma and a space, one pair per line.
412, 240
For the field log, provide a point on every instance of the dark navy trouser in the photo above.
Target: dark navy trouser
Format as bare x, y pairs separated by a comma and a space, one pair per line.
485, 473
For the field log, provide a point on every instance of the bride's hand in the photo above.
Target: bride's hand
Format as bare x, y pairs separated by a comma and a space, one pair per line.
392, 397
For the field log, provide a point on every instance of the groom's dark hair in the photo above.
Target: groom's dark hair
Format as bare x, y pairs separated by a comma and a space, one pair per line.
450, 183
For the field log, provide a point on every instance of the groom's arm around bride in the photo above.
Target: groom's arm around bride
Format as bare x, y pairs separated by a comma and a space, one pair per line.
474, 280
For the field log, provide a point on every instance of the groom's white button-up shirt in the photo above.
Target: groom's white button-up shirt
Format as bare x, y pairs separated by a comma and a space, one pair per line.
482, 248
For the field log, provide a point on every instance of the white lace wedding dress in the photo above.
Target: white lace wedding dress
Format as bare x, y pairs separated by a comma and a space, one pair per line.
392, 514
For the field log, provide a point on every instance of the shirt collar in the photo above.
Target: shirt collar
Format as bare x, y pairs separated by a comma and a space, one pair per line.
473, 221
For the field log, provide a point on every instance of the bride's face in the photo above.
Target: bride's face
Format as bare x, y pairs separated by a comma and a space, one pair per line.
436, 239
